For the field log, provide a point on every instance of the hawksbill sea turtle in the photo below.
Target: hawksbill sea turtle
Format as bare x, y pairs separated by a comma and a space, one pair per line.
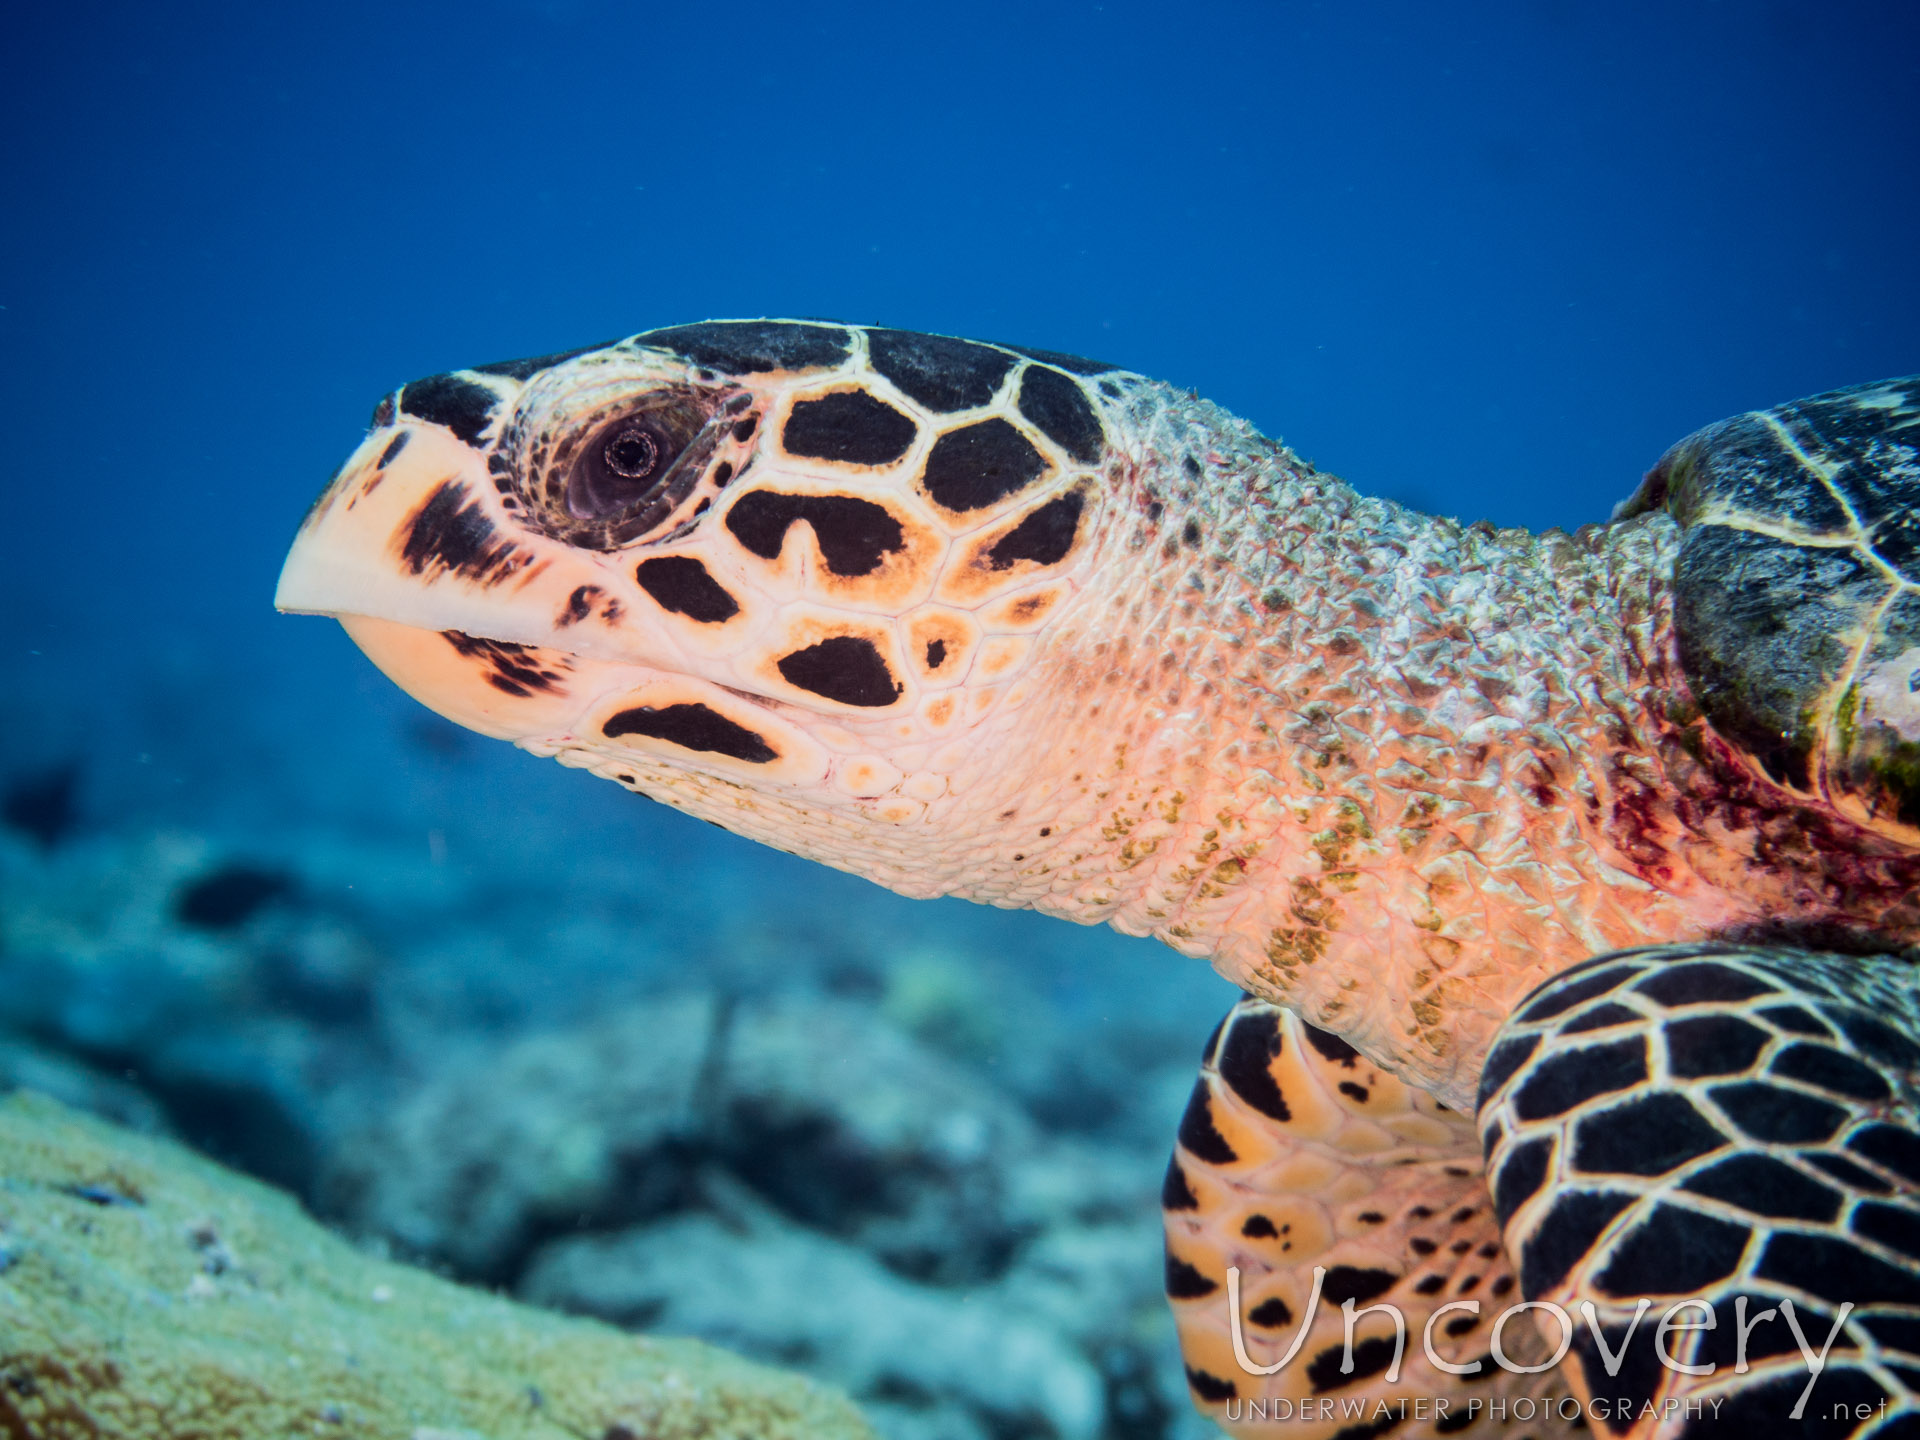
1571, 879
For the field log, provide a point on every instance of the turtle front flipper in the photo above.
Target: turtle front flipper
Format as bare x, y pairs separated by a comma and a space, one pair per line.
1731, 1126
1303, 1170
1797, 593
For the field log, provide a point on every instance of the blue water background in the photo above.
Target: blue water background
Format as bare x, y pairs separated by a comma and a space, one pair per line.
1487, 260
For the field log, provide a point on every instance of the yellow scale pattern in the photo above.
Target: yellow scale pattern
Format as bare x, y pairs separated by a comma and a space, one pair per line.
1378, 1186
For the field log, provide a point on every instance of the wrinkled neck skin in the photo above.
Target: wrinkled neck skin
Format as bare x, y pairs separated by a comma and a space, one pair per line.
1387, 770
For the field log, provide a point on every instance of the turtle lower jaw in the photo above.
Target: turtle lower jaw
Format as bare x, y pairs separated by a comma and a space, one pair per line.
500, 688
617, 717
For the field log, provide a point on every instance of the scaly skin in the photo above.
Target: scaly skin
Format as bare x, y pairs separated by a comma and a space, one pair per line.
971, 621
1368, 762
1384, 769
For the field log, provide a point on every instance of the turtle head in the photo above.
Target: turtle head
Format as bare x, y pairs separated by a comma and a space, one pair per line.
743, 567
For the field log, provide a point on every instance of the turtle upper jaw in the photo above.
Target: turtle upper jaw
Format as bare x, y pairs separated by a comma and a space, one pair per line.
412, 532
507, 633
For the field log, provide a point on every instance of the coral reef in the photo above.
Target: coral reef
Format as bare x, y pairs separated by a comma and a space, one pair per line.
846, 1123
938, 1365
145, 1292
795, 1178
581, 1059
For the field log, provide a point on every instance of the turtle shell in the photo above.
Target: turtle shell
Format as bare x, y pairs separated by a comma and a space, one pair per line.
1797, 592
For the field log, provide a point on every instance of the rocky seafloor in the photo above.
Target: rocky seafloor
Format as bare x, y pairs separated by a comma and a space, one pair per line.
503, 1021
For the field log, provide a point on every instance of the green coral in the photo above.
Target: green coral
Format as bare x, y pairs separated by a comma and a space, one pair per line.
146, 1292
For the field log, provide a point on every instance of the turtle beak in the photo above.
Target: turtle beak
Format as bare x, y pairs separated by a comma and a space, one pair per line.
492, 626
411, 531
511, 633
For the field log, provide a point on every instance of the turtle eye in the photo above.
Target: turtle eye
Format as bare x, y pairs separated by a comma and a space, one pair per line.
623, 468
616, 468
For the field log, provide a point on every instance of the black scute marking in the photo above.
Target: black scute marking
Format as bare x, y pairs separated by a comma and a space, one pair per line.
1769, 1112
1508, 1056
693, 727
1647, 1136
1896, 1332
1563, 1081
745, 347
1210, 1388
451, 532
1044, 537
1251, 1046
940, 373
511, 669
855, 536
1077, 364
1712, 1045
1829, 1069
1836, 1270
1674, 1251
849, 427
936, 654
1854, 1177
1566, 995
1358, 1283
1638, 1378
846, 668
394, 447
1259, 1227
382, 413
1370, 1357
1213, 1040
1197, 1130
1565, 1235
1271, 1313
1863, 445
531, 366
1522, 1174
681, 584
1795, 1018
1887, 1145
1175, 1192
1332, 1048
1755, 652
1761, 1409
979, 465
1700, 981
1877, 1038
1060, 410
1894, 1226
1183, 1282
1721, 1345
1763, 1185
1600, 1017
1896, 540
449, 400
